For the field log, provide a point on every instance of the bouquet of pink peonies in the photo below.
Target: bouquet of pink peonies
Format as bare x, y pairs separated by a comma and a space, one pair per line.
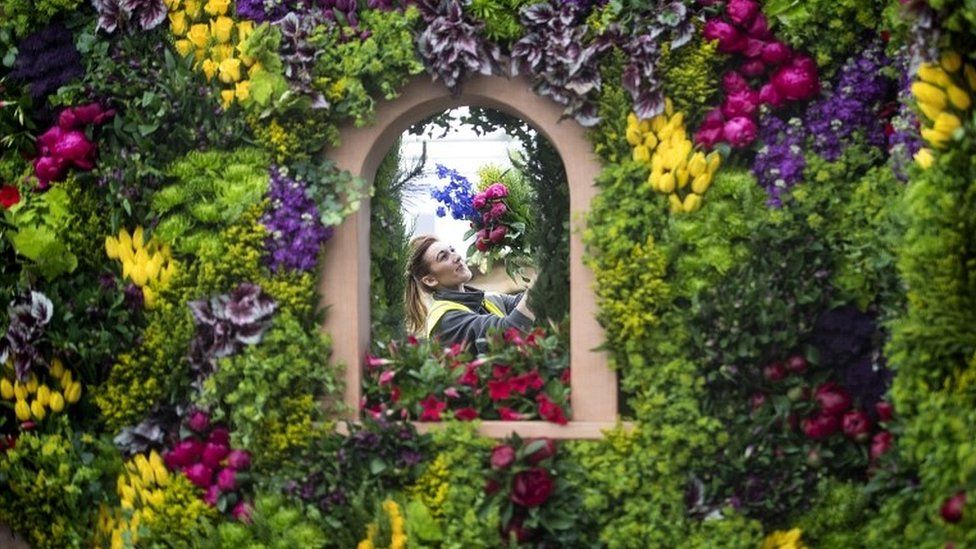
500, 224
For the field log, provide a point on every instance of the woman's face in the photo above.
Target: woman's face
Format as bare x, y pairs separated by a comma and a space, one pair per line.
448, 271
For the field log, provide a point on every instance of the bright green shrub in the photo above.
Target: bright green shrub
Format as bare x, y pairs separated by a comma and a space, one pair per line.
275, 524
691, 77
23, 16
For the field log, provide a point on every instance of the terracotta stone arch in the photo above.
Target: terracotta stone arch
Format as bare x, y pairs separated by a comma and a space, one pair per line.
345, 277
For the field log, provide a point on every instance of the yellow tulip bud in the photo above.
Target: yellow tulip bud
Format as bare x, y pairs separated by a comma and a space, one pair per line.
209, 68
221, 28
677, 120
156, 498
691, 203
674, 202
199, 35
929, 111
244, 29
668, 106
6, 389
927, 93
159, 468
230, 71
242, 90
57, 367
633, 136
73, 393
128, 495
947, 122
632, 119
22, 410
970, 73
20, 391
924, 158
681, 176
192, 8
667, 182
65, 379
701, 183
227, 98
641, 154
167, 273
44, 395
111, 247
951, 61
935, 137
37, 410
958, 97
183, 47
696, 164
650, 141
32, 384
216, 7
714, 161
172, 5
177, 22
56, 401
658, 123
934, 74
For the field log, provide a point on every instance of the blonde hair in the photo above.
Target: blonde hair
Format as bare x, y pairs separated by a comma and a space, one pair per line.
414, 296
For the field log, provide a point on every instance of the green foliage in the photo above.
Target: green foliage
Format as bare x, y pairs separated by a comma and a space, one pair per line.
828, 29
388, 241
350, 72
957, 18
53, 484
613, 105
23, 16
501, 18
183, 521
248, 389
275, 524
210, 191
836, 516
691, 77
39, 224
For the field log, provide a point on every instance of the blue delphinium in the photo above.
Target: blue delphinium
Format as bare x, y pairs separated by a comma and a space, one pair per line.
456, 195
295, 231
779, 162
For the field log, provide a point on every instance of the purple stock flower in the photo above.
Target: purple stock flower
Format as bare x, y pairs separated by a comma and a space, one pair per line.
46, 60
293, 224
779, 162
261, 10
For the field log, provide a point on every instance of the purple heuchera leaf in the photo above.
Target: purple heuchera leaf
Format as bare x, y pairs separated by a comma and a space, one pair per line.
451, 44
113, 14
29, 314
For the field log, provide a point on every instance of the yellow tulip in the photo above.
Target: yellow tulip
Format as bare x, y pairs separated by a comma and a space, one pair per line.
924, 158
65, 379
934, 75
666, 184
255, 68
221, 52
148, 297
209, 68
714, 161
632, 119
6, 389
951, 61
230, 71
644, 126
125, 246
20, 391
696, 164
177, 22
701, 183
111, 247
57, 401
633, 136
641, 154
935, 138
166, 274
159, 468
958, 97
73, 393
244, 29
37, 410
221, 28
927, 93
172, 5
658, 123
947, 122
22, 410
216, 7
691, 203
653, 180
183, 47
668, 106
57, 367
242, 90
44, 395
674, 202
199, 34
227, 97
31, 384
192, 8
650, 141
681, 175
929, 111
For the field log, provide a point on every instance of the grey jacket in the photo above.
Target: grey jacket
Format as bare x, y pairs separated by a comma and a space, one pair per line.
461, 326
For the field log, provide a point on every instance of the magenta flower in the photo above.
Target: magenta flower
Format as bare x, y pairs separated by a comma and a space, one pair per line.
742, 12
774, 53
199, 474
213, 454
220, 435
212, 495
797, 80
741, 103
239, 459
495, 191
739, 132
769, 95
730, 40
227, 479
733, 81
242, 512
198, 421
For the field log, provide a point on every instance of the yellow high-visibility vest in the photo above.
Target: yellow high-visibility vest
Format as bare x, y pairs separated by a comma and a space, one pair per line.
439, 307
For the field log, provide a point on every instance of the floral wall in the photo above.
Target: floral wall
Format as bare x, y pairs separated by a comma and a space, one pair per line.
783, 246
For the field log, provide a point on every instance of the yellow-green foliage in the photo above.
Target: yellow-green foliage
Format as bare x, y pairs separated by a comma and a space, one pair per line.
183, 521
288, 430
501, 18
280, 136
24, 16
691, 76
609, 138
835, 519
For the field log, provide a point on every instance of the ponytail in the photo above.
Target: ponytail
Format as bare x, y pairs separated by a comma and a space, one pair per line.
414, 299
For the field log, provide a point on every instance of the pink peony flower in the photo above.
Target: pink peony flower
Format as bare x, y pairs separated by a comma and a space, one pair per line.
498, 234
768, 95
880, 444
884, 409
832, 398
479, 201
753, 48
774, 53
227, 479
220, 435
730, 40
199, 474
498, 209
496, 190
198, 422
48, 169
953, 507
741, 103
74, 147
797, 80
213, 454
212, 495
742, 12
242, 512
820, 426
739, 131
733, 81
239, 459
183, 454
759, 28
856, 425
83, 115
753, 68
708, 137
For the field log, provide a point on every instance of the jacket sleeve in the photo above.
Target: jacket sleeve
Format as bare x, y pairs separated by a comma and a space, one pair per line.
461, 326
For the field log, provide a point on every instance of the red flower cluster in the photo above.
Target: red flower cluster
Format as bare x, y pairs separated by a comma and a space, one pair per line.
65, 144
9, 196
490, 204
791, 77
522, 473
207, 460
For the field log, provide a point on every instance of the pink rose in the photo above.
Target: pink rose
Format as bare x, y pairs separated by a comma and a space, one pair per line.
880, 444
48, 169
714, 119
797, 80
479, 201
729, 38
753, 68
199, 474
227, 479
741, 103
498, 234
545, 451
832, 398
82, 115
498, 209
739, 131
213, 454
885, 410
239, 459
47, 140
742, 12
502, 456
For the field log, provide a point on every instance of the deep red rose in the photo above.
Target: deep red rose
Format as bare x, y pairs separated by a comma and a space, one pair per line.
531, 488
502, 456
796, 364
550, 411
470, 376
481, 244
884, 409
9, 196
880, 444
515, 528
857, 425
507, 414
832, 398
432, 408
774, 371
466, 414
739, 132
953, 507
742, 12
545, 451
492, 486
729, 38
820, 426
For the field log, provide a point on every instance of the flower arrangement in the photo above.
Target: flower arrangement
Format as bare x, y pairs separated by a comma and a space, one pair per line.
41, 393
519, 378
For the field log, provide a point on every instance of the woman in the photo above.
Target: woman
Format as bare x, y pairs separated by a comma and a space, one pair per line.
457, 313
